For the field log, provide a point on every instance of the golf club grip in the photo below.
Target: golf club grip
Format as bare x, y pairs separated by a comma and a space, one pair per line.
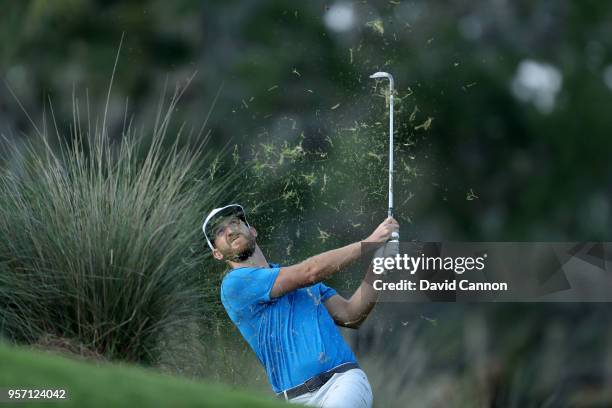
394, 235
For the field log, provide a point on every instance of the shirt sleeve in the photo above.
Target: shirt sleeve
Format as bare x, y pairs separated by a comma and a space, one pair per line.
325, 291
246, 287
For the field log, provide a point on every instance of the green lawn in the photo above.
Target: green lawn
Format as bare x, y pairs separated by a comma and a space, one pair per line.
105, 385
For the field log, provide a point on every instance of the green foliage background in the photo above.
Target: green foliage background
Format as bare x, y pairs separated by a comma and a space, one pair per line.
279, 72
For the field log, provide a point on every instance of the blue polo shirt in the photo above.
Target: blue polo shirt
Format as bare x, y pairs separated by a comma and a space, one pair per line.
294, 336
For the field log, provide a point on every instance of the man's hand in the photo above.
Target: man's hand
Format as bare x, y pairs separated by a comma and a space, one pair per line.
383, 232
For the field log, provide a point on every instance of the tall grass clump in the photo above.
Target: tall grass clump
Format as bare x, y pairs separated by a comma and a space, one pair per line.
100, 240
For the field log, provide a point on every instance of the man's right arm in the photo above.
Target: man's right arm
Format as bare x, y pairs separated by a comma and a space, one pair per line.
319, 267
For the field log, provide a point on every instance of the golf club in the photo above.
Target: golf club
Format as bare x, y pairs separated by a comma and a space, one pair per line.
395, 235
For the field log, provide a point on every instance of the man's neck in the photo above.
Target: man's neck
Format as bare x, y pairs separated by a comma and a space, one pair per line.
256, 260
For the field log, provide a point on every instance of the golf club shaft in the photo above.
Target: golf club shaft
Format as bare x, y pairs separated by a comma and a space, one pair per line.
391, 147
378, 75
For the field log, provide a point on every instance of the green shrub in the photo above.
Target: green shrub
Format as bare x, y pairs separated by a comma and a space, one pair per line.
100, 241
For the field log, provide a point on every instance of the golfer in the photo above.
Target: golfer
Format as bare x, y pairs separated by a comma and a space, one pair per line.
288, 316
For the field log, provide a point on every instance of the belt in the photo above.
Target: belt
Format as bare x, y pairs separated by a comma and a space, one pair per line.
316, 382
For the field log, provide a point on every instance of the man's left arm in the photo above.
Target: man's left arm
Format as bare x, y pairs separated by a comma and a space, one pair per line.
352, 312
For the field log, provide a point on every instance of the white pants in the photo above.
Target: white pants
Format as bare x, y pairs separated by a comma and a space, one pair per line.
350, 389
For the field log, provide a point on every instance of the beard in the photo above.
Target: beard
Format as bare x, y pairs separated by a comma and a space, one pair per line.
244, 253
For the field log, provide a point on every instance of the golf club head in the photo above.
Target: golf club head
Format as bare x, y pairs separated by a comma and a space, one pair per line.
381, 74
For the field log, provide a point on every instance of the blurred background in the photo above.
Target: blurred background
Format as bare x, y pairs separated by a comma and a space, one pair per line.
501, 123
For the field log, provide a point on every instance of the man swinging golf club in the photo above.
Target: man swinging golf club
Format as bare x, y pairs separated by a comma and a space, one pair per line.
288, 316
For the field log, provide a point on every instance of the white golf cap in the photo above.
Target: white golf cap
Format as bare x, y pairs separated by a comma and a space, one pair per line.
235, 209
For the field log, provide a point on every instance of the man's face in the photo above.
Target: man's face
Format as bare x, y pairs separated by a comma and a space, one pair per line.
233, 240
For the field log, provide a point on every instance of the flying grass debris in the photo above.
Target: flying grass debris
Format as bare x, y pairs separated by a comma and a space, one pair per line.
310, 178
323, 235
335, 106
288, 195
468, 86
471, 195
425, 125
434, 322
413, 114
376, 26
410, 196
376, 156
